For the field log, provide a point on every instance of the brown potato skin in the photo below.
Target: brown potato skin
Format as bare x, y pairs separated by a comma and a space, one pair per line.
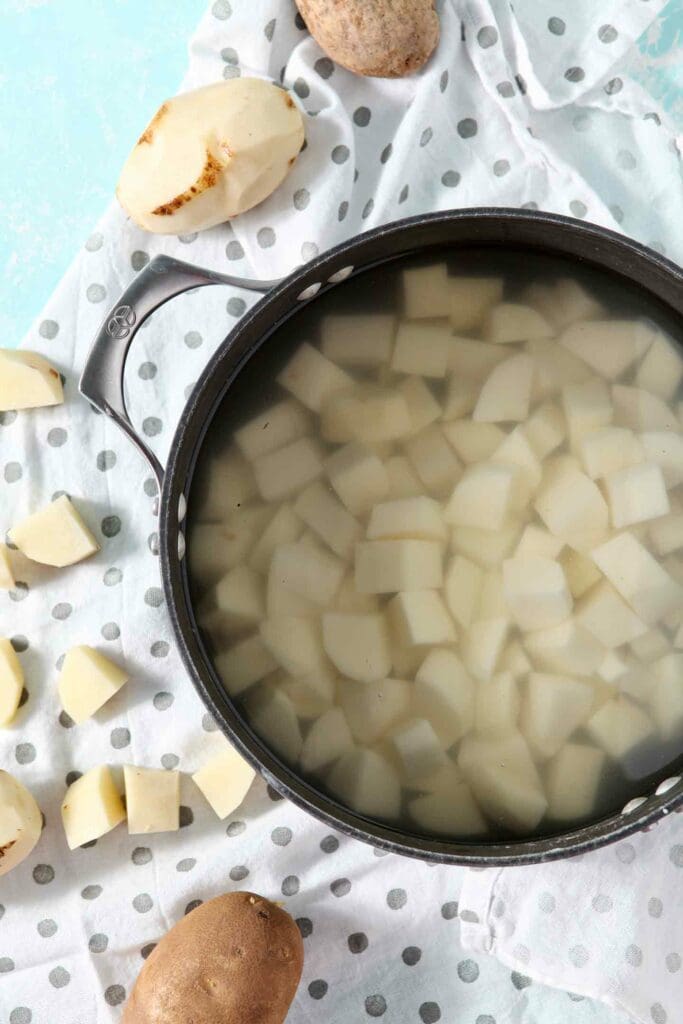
376, 38
235, 959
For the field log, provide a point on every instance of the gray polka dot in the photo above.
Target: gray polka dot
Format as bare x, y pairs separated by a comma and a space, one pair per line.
105, 460
240, 872
91, 892
626, 160
236, 306
411, 955
301, 88
65, 720
6, 964
169, 761
451, 179
342, 211
110, 526
485, 1018
7, 418
578, 208
159, 649
96, 292
404, 193
673, 962
329, 844
233, 251
147, 371
324, 67
154, 597
235, 828
72, 777
546, 903
361, 117
62, 611
119, 738
193, 339
375, 1006
617, 213
59, 977
601, 904
185, 816
386, 153
556, 26
153, 543
655, 907
151, 426
95, 242
426, 137
579, 956
25, 753
614, 86
266, 238
143, 903
449, 911
520, 981
110, 631
269, 30
468, 971
340, 154
430, 1013
57, 437
192, 905
112, 577
305, 926
146, 950
317, 989
582, 122
209, 723
138, 259
162, 700
633, 955
114, 995
309, 250
19, 643
397, 898
281, 836
676, 855
150, 487
501, 168
141, 855
43, 874
13, 472
301, 198
368, 208
357, 942
467, 128
487, 36
20, 592
443, 81
47, 928
98, 943
521, 85
20, 1015
658, 1013
192, 237
186, 864
221, 10
290, 885
229, 55
506, 90
575, 74
607, 33
48, 329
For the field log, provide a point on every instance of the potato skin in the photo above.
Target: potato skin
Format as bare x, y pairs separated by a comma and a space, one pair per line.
234, 959
377, 38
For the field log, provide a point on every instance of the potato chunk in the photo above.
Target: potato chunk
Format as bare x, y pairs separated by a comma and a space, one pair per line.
422, 349
372, 709
225, 780
536, 591
7, 581
11, 681
608, 346
470, 300
433, 460
426, 291
572, 507
661, 370
445, 694
462, 589
423, 407
244, 664
512, 321
619, 726
607, 616
554, 707
487, 548
27, 381
274, 718
311, 572
358, 476
357, 645
483, 497
328, 739
572, 781
56, 535
483, 645
506, 392
418, 749
418, 518
20, 822
449, 810
636, 494
420, 617
87, 681
569, 648
608, 450
496, 705
358, 339
666, 449
295, 643
474, 442
282, 473
278, 426
389, 566
325, 515
640, 410
504, 781
587, 407
312, 378
91, 807
152, 799
366, 782
638, 577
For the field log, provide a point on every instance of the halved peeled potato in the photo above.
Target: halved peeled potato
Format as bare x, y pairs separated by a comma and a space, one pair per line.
55, 535
87, 681
11, 681
27, 381
20, 822
210, 154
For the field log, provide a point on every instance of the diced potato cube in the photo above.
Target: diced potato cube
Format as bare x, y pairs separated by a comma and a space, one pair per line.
545, 429
497, 703
244, 664
666, 534
295, 643
515, 660
311, 572
470, 300
372, 709
281, 601
236, 603
537, 541
91, 807
426, 291
444, 695
327, 517
27, 381
608, 450
564, 302
666, 699
504, 781
608, 346
328, 739
225, 484
474, 360
482, 646
641, 411
612, 667
420, 617
368, 414
418, 518
403, 480
418, 748
587, 407
636, 494
56, 535
358, 339
357, 645
225, 780
214, 548
358, 476
7, 581
423, 407
572, 781
461, 398
284, 528
11, 681
650, 645
666, 449
638, 577
278, 426
312, 378
608, 617
554, 367
619, 727
580, 572
516, 451
512, 321
473, 442
462, 589
405, 661
152, 799
506, 392
433, 460
450, 810
536, 591
367, 783
486, 547
661, 370
272, 715
308, 702
281, 473
492, 601
568, 648
388, 566
87, 681
483, 496
422, 349
348, 599
554, 708
572, 507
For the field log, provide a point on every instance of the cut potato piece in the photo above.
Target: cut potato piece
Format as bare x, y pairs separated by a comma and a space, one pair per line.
666, 698
225, 780
619, 727
215, 548
666, 449
281, 601
7, 581
580, 572
537, 541
405, 661
87, 681
358, 339
348, 599
516, 451
281, 473
661, 370
295, 643
358, 476
328, 739
641, 411
462, 589
612, 667
572, 507
474, 360
327, 517
511, 321
515, 660
433, 460
20, 822
225, 483
567, 648
423, 407
638, 577
276, 427
284, 528
608, 450
450, 810
389, 566
483, 496
572, 782
91, 807
11, 681
506, 392
444, 695
426, 292
236, 603
486, 547
368, 414
422, 349
473, 442
271, 713
608, 346
461, 398
367, 783
492, 601
554, 708
554, 367
536, 591
496, 706
307, 703
418, 518
403, 480
636, 494
372, 709
357, 645
312, 378
56, 535
545, 429
650, 645
482, 646
587, 407
666, 534
418, 748
244, 664
27, 381
563, 303
504, 781
308, 571
608, 617
152, 799
470, 300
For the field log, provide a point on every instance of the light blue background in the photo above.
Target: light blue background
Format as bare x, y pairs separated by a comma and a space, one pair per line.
77, 80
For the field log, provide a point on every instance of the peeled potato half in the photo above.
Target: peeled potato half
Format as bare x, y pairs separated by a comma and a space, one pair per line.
210, 154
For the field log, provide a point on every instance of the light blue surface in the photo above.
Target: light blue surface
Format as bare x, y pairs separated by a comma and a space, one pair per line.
77, 80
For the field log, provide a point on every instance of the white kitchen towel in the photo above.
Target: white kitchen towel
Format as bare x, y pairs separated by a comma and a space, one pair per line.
527, 108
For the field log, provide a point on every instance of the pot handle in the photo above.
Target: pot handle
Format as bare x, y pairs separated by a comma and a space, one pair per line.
102, 378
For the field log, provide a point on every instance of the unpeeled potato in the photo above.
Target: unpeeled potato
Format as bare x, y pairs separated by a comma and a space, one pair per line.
210, 154
378, 38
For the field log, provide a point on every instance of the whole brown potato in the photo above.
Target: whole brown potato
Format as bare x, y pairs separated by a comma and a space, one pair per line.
379, 38
234, 960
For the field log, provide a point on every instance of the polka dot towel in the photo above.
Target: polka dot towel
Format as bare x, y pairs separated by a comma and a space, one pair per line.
531, 108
